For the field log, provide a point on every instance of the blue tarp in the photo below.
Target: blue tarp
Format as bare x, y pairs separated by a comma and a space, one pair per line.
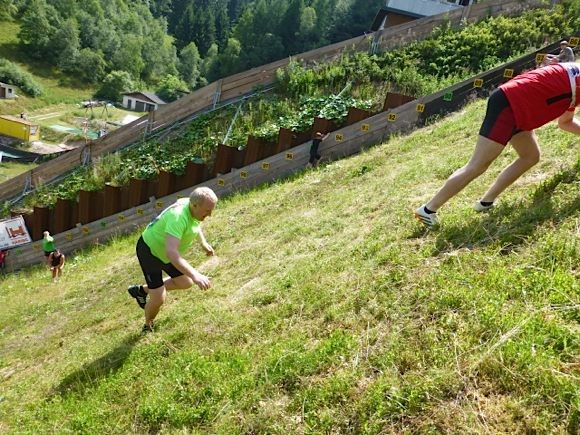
14, 154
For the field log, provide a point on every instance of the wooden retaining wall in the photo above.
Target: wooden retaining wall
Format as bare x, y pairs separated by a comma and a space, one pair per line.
342, 142
241, 84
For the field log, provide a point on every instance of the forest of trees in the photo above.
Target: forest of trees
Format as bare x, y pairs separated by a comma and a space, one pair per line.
175, 46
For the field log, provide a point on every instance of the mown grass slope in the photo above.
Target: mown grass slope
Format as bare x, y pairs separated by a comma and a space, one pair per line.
57, 88
332, 310
60, 101
12, 169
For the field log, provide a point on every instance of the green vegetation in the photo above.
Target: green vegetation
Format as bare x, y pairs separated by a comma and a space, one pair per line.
346, 318
447, 56
325, 90
12, 169
197, 141
57, 88
11, 73
60, 98
168, 45
174, 45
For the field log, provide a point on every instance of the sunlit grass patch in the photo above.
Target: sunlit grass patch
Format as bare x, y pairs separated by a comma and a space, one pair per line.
331, 311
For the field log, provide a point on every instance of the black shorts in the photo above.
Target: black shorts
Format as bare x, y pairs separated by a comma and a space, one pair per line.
152, 266
314, 156
499, 124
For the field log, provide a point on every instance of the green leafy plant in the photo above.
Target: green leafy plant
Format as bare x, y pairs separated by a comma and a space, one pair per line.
327, 90
13, 74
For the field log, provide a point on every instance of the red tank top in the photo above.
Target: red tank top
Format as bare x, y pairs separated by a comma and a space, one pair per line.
542, 95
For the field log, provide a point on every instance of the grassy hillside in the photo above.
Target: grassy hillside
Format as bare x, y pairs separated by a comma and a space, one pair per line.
12, 169
59, 103
331, 310
58, 88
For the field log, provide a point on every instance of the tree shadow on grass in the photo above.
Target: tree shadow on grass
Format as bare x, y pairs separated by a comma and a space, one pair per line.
16, 52
511, 224
91, 373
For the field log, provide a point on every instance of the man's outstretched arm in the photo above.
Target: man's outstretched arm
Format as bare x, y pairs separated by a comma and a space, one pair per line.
171, 249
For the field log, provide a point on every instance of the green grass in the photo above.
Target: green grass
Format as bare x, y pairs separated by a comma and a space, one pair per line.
331, 310
59, 103
12, 169
73, 116
57, 87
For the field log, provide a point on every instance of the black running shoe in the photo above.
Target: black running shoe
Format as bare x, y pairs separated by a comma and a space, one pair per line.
139, 294
146, 329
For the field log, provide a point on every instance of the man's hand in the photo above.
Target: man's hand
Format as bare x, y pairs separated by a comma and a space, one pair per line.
201, 280
208, 249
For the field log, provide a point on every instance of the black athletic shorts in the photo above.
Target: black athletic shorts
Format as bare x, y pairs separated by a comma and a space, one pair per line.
499, 124
152, 266
314, 156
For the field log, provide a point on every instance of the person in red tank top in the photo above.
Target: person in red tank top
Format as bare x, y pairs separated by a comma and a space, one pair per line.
514, 110
3, 255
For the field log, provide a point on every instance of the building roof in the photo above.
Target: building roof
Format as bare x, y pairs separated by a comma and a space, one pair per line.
147, 96
19, 120
420, 8
413, 9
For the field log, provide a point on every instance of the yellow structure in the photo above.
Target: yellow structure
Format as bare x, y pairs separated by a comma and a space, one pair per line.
19, 128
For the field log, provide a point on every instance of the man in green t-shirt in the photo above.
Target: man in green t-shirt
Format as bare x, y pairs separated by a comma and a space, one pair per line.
161, 247
47, 246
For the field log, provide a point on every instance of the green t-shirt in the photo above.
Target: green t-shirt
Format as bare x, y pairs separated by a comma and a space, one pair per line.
48, 244
175, 220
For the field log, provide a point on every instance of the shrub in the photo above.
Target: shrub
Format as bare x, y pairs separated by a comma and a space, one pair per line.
326, 90
170, 88
114, 84
13, 74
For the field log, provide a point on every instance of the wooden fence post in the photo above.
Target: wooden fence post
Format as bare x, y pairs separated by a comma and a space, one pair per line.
224, 159
138, 190
323, 125
40, 223
267, 149
90, 206
302, 137
64, 216
152, 187
355, 115
112, 200
239, 158
285, 136
166, 184
195, 173
252, 150
393, 100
